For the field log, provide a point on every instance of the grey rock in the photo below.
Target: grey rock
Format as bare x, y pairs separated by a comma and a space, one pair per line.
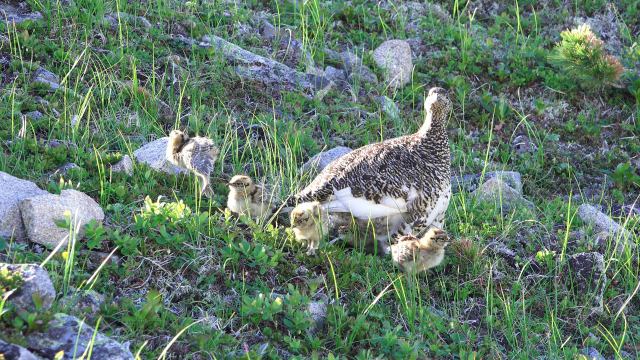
389, 107
35, 284
318, 312
504, 252
498, 191
470, 183
335, 75
272, 75
15, 352
394, 58
324, 158
154, 155
589, 277
592, 353
112, 19
356, 70
412, 12
46, 77
521, 144
71, 335
590, 215
34, 115
84, 303
17, 14
12, 192
125, 165
64, 169
96, 258
607, 27
267, 30
40, 214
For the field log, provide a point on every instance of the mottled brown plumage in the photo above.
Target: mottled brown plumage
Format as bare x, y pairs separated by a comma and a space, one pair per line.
249, 198
403, 182
415, 255
196, 154
309, 224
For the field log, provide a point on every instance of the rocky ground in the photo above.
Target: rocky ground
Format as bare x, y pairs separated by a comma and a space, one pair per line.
106, 251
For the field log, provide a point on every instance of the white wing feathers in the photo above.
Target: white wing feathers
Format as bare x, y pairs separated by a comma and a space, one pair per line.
361, 208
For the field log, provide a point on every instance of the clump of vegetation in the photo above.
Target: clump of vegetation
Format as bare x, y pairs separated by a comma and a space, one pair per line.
582, 55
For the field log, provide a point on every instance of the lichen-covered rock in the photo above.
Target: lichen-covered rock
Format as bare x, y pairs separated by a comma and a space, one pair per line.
356, 71
17, 14
84, 304
46, 77
125, 165
498, 191
394, 58
389, 107
318, 312
522, 144
15, 352
589, 277
40, 215
470, 183
34, 283
154, 155
604, 224
324, 158
12, 192
72, 336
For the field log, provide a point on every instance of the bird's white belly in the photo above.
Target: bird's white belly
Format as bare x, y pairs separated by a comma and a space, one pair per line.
362, 208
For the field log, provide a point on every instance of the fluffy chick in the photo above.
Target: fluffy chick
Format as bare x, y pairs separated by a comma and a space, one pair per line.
415, 255
196, 154
248, 198
309, 223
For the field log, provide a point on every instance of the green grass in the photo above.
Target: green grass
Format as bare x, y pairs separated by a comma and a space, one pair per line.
195, 283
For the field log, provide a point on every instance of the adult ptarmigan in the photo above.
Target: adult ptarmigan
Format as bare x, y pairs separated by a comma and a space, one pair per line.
401, 185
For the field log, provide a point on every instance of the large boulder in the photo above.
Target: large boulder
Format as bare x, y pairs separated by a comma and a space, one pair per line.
33, 283
470, 183
74, 337
41, 214
154, 155
12, 192
394, 58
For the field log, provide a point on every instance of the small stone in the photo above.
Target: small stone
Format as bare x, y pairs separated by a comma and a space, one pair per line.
590, 215
40, 214
335, 75
72, 336
84, 303
12, 192
469, 183
15, 352
496, 190
394, 58
125, 165
356, 70
46, 77
589, 277
267, 30
64, 169
154, 155
592, 354
389, 107
318, 312
324, 158
34, 284
96, 258
523, 145
34, 115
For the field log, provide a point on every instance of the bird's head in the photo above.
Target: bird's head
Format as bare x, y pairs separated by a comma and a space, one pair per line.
178, 137
305, 214
436, 238
437, 107
241, 183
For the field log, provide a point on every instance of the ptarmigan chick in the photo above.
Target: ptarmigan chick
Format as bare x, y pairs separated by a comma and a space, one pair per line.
415, 255
248, 198
309, 224
196, 154
403, 185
